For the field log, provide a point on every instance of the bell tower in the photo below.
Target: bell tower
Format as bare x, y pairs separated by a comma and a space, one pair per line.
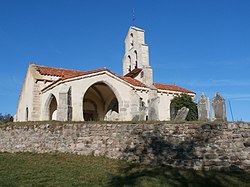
137, 55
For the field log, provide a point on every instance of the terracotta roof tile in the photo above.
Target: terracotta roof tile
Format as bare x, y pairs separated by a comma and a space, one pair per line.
68, 73
133, 73
128, 79
133, 81
58, 72
172, 88
92, 71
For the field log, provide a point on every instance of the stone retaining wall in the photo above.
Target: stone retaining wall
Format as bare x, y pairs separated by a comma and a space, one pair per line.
198, 146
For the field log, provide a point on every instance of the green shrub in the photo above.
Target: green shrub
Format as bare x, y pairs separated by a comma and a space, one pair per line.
184, 100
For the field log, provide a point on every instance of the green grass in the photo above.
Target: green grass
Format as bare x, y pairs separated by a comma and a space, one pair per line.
27, 169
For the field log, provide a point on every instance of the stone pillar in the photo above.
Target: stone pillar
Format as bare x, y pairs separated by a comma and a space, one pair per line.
203, 108
219, 108
135, 106
124, 113
35, 113
147, 76
153, 105
64, 110
138, 108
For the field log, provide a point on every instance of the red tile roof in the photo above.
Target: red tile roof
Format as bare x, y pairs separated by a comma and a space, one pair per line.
133, 81
128, 79
68, 73
133, 73
58, 72
171, 87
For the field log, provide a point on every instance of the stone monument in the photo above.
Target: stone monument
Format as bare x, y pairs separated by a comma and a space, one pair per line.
203, 108
173, 111
182, 114
219, 108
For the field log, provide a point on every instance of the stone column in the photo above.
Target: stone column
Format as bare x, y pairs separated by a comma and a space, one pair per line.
135, 106
64, 110
153, 105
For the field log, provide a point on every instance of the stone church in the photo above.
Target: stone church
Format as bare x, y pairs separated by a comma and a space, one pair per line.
51, 93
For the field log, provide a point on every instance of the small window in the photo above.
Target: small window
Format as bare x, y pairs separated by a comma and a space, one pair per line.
142, 104
27, 114
132, 40
142, 74
129, 58
135, 54
136, 66
132, 43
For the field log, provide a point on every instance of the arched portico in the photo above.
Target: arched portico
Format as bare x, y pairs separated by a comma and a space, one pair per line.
100, 103
50, 110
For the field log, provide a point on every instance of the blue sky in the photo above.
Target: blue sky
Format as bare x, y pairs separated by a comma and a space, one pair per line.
203, 45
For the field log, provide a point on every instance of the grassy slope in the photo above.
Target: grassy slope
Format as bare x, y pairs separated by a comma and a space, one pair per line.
27, 169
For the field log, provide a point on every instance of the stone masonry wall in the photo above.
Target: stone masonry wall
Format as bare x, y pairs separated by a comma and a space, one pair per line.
198, 146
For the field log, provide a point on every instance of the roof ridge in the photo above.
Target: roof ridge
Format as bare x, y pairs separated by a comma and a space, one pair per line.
171, 87
64, 73
129, 80
37, 65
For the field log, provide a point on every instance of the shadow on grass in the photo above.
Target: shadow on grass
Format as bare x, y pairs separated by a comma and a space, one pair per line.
159, 150
166, 176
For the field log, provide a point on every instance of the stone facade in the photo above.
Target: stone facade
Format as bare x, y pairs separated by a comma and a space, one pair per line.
50, 93
197, 146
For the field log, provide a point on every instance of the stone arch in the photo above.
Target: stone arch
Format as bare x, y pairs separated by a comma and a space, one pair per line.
98, 99
114, 90
50, 108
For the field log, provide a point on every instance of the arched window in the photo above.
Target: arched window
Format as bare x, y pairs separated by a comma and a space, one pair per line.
142, 74
132, 40
136, 58
135, 55
142, 104
129, 58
